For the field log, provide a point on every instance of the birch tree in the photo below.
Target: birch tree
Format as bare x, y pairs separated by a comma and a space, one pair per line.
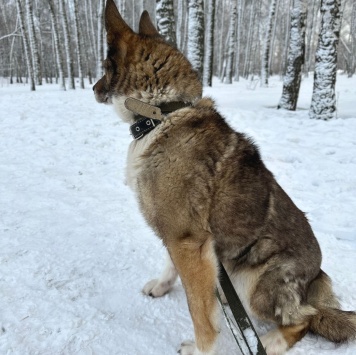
267, 45
33, 43
79, 51
100, 45
26, 45
60, 64
238, 39
276, 17
92, 30
180, 24
166, 21
122, 8
247, 47
249, 39
209, 45
295, 60
309, 35
221, 41
232, 42
323, 104
353, 39
196, 34
70, 69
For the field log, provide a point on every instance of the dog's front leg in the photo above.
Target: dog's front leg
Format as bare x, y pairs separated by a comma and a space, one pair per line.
196, 263
159, 287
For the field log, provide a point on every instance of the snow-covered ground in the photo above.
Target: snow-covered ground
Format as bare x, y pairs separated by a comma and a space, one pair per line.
75, 252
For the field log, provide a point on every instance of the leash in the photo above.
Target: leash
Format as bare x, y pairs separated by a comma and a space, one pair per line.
253, 345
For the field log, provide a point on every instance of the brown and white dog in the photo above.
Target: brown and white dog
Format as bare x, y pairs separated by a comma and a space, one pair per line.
205, 191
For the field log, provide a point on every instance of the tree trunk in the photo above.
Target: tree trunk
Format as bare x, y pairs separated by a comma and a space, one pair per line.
284, 61
196, 35
238, 39
353, 39
232, 42
92, 29
60, 64
100, 46
33, 43
323, 104
122, 7
209, 47
88, 29
267, 45
221, 41
166, 21
296, 51
249, 39
79, 46
26, 45
67, 45
272, 54
180, 24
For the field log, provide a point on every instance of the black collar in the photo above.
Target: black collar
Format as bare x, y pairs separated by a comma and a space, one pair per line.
144, 123
143, 126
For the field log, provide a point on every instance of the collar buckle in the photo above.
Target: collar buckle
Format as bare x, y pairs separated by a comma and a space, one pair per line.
143, 126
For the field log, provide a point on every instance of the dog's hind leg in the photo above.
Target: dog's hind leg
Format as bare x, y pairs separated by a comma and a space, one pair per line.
278, 341
159, 287
197, 266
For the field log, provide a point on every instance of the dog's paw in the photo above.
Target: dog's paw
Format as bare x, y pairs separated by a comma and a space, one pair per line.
274, 343
188, 348
155, 288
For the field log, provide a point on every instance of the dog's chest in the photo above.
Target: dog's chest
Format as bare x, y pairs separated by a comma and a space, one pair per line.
135, 160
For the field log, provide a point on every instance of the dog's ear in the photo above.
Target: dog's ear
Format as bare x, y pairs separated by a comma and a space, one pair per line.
114, 23
146, 26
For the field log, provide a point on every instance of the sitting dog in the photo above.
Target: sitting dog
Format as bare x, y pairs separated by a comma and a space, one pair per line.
205, 191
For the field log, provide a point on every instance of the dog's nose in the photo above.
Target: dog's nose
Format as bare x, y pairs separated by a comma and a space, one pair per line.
94, 87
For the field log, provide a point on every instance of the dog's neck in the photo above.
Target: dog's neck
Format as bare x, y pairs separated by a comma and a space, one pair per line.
147, 117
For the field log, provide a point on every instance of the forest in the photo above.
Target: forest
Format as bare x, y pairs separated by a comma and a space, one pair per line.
56, 41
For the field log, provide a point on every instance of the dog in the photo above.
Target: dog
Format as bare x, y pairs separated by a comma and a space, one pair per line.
206, 193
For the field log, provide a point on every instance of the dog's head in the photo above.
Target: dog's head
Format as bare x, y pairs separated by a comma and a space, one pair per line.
143, 66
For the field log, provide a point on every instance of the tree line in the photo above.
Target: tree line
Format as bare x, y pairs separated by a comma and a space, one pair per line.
60, 40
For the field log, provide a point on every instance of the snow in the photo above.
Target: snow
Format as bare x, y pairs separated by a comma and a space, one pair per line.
75, 251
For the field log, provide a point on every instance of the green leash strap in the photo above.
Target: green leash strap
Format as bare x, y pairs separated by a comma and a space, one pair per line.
242, 319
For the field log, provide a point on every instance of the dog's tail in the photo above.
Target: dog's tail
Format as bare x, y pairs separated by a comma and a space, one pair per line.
330, 322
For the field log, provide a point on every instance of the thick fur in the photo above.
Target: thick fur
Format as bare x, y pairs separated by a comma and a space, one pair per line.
207, 194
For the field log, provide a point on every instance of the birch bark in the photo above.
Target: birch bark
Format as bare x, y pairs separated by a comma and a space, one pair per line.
26, 45
196, 35
60, 64
166, 21
100, 43
209, 47
67, 46
232, 42
79, 46
267, 45
295, 60
238, 39
33, 43
323, 104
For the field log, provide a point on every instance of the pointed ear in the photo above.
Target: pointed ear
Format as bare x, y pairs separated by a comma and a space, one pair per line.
146, 26
114, 23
